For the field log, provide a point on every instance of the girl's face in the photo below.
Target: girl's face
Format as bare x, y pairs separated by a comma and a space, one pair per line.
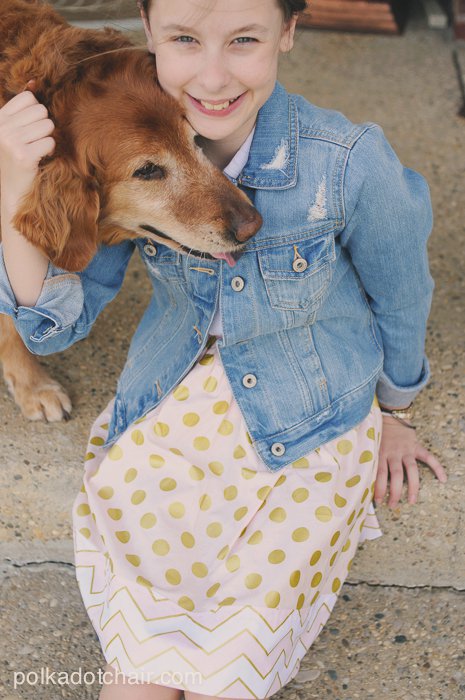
219, 58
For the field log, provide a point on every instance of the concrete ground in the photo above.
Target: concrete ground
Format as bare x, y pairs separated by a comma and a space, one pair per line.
397, 630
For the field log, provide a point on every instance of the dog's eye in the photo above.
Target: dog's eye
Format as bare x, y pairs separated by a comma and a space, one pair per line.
150, 171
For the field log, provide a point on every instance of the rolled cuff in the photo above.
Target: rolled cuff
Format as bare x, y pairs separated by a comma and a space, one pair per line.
390, 394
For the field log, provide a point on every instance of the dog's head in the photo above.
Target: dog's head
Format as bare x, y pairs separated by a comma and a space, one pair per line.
128, 164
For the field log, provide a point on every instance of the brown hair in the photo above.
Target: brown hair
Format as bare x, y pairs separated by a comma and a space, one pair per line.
288, 7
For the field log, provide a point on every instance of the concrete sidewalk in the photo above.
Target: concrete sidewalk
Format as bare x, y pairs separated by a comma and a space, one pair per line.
397, 631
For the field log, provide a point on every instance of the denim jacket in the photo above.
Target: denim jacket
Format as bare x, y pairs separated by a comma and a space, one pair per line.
327, 306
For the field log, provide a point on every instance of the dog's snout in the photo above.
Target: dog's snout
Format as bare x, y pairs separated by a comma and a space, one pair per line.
245, 223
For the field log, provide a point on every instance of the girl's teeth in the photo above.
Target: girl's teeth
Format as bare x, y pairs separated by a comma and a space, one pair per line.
217, 108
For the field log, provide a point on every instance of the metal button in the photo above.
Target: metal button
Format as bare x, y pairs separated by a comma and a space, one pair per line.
278, 449
299, 265
249, 380
238, 284
150, 249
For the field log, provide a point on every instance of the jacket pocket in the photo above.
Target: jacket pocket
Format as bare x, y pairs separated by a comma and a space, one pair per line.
296, 275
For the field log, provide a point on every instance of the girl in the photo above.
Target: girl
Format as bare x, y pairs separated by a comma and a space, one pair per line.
229, 482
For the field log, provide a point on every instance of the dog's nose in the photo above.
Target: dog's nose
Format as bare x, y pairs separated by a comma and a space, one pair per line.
246, 224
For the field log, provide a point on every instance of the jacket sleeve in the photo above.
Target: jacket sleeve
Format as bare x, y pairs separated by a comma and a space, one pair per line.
389, 219
68, 303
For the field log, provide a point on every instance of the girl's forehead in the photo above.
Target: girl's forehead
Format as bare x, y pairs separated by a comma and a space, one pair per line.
224, 11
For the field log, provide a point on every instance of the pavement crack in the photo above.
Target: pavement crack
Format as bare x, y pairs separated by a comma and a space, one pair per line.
402, 586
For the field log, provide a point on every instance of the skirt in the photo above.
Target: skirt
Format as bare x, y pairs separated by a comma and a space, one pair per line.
199, 568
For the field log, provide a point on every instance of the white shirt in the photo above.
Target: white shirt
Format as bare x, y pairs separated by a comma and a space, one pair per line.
233, 169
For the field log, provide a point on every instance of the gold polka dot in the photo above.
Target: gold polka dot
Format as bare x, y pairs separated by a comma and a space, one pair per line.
294, 578
313, 600
335, 537
263, 492
89, 456
344, 447
156, 461
106, 492
371, 433
82, 489
227, 601
148, 520
176, 451
190, 419
323, 514
240, 512
176, 509
281, 480
351, 517
249, 439
247, 473
256, 538
137, 436
353, 481
138, 496
130, 475
272, 599
168, 484
300, 601
230, 493
97, 441
276, 556
123, 536
239, 452
207, 359
85, 532
226, 427
346, 546
210, 384
214, 529
365, 494
223, 552
315, 557
136, 422
196, 473
201, 443
212, 590
233, 563
252, 580
336, 585
133, 559
161, 547
83, 509
143, 582
205, 502
173, 576
366, 456
104, 426
216, 468
340, 501
322, 477
188, 540
316, 579
199, 569
220, 407
187, 603
161, 429
300, 495
278, 515
333, 558
301, 463
349, 565
181, 393
115, 452
300, 534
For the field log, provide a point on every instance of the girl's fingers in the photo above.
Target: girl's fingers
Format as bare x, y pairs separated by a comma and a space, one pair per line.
413, 479
381, 480
429, 459
30, 115
37, 130
44, 147
396, 471
19, 102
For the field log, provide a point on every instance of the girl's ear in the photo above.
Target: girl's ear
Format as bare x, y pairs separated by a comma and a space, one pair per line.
147, 30
60, 215
287, 38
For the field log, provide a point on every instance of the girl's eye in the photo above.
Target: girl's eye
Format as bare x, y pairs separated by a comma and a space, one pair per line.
245, 39
184, 39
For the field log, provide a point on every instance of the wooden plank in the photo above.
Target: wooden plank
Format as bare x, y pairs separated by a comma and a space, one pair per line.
350, 6
459, 18
437, 18
355, 15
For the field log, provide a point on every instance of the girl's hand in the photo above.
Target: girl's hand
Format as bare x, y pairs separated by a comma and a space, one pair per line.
25, 138
400, 449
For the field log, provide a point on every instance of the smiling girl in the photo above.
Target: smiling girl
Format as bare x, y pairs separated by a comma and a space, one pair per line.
226, 490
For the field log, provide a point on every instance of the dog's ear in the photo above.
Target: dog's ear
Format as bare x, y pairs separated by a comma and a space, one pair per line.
60, 215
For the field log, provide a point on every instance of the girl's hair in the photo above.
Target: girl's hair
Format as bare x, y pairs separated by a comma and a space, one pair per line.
289, 7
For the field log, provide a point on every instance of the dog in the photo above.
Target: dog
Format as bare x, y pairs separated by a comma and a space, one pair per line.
126, 164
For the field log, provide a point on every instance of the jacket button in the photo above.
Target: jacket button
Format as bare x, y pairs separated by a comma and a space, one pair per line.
278, 449
238, 284
299, 264
150, 249
249, 380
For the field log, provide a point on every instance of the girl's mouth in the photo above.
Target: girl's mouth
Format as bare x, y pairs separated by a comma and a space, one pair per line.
217, 109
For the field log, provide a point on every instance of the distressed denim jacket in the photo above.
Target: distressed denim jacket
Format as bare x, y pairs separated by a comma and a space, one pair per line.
327, 306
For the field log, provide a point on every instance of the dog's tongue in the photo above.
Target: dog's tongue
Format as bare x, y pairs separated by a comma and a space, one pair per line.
230, 258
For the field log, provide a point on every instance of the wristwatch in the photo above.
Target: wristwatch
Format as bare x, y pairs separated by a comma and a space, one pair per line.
401, 414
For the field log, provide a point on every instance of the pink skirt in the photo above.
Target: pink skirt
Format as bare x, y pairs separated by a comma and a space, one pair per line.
201, 569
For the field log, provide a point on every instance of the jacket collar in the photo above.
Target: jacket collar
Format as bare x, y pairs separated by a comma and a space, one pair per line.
272, 162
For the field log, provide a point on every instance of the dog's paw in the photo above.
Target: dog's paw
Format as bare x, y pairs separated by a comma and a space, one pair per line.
42, 400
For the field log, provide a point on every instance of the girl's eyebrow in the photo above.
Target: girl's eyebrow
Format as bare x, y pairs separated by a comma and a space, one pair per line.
257, 28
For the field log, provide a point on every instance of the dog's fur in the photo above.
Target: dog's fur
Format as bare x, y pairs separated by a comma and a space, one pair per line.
126, 164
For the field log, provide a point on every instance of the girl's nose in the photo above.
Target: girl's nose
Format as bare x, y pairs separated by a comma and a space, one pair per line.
213, 76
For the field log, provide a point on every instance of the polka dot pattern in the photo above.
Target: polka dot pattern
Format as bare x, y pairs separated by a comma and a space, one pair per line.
181, 504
